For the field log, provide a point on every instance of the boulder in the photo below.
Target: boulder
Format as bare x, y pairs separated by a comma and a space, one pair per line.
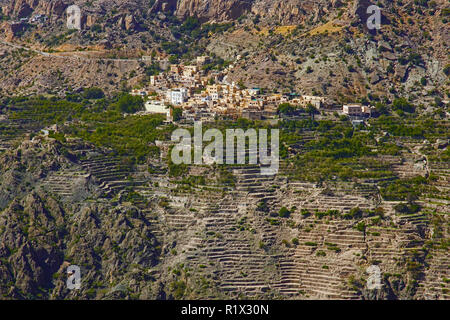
383, 46
441, 144
130, 22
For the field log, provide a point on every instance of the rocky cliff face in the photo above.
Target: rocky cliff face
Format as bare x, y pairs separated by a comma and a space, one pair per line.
225, 243
40, 237
23, 8
290, 11
277, 11
280, 42
293, 11
213, 10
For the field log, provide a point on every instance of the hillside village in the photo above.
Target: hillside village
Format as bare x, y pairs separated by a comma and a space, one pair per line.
86, 178
206, 96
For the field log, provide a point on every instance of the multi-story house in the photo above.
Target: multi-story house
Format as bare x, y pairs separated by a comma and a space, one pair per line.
177, 96
354, 109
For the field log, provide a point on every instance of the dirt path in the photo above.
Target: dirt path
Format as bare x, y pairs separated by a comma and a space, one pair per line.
65, 55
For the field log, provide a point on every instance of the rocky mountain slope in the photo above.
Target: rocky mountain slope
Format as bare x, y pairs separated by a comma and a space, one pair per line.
143, 230
166, 242
321, 47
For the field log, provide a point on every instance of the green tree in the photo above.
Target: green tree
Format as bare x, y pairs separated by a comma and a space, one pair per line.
447, 70
130, 104
311, 110
177, 114
93, 93
284, 212
403, 105
286, 108
381, 108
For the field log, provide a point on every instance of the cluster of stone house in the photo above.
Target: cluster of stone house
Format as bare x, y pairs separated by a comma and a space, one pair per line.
209, 96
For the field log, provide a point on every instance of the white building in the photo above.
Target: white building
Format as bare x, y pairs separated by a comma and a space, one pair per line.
155, 106
138, 92
253, 92
177, 96
38, 18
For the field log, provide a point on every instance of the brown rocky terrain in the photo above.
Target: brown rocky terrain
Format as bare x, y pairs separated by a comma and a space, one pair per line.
73, 206
139, 232
320, 47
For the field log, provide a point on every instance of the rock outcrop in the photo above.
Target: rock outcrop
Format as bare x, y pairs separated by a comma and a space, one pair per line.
282, 11
213, 10
24, 8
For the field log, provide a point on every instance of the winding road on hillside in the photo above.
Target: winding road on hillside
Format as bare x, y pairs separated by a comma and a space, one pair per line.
65, 55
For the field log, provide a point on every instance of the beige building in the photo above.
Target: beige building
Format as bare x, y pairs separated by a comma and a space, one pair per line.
202, 59
159, 80
317, 102
175, 68
190, 71
354, 109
